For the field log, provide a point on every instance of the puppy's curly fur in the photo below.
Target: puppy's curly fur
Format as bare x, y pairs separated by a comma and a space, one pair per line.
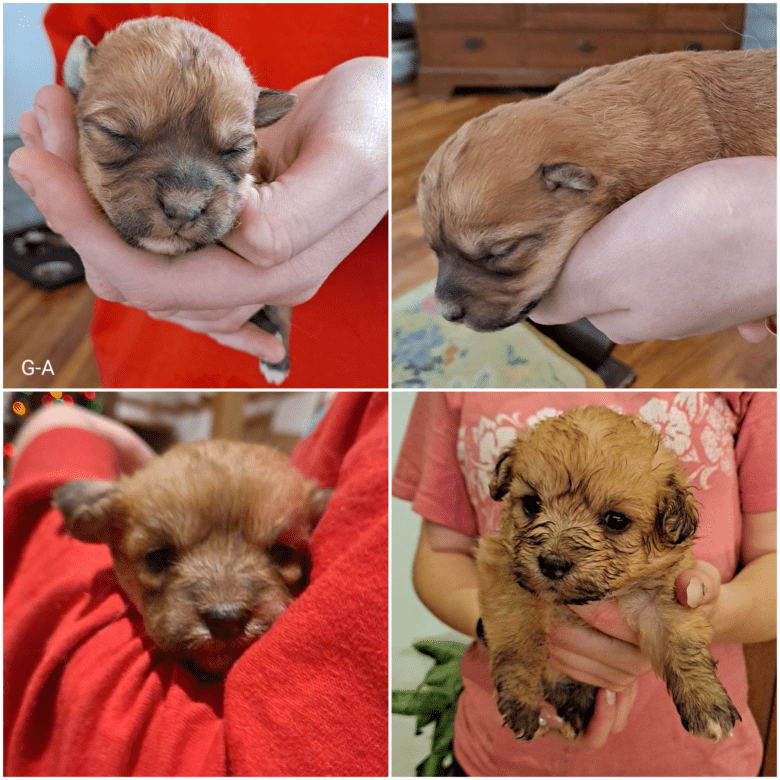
596, 507
209, 543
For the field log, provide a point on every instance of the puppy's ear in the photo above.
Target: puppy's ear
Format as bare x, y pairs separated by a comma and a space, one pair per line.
88, 506
271, 105
567, 176
502, 474
678, 516
79, 54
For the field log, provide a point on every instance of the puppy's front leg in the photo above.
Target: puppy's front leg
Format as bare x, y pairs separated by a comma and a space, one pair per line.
677, 642
514, 625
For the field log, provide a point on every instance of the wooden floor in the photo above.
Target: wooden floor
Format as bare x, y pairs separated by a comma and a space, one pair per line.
44, 326
718, 360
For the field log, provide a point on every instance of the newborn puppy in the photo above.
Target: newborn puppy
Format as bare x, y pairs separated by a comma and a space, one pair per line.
209, 543
596, 508
505, 199
166, 114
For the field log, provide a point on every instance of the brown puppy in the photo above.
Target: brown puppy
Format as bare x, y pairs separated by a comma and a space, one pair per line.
166, 114
596, 508
209, 543
505, 199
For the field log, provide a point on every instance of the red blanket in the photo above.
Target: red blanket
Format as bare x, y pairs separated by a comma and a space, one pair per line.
86, 693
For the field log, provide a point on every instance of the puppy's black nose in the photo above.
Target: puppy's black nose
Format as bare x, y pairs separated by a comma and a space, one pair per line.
451, 311
225, 621
179, 215
554, 566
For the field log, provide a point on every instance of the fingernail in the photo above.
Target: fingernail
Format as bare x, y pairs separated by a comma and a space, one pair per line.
542, 722
694, 593
23, 182
609, 696
42, 115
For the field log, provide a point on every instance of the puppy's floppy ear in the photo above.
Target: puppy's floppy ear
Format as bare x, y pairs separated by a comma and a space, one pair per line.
568, 176
271, 105
88, 506
72, 71
677, 516
502, 474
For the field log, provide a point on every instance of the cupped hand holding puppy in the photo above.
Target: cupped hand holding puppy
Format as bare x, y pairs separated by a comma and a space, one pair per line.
330, 157
694, 254
606, 654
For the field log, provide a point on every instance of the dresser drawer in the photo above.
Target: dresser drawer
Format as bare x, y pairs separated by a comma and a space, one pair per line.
592, 16
693, 41
581, 50
714, 17
470, 47
444, 15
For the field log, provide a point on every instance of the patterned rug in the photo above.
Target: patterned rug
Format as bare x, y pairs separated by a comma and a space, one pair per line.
428, 351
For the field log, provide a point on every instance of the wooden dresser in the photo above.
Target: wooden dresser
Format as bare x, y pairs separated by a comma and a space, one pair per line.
541, 44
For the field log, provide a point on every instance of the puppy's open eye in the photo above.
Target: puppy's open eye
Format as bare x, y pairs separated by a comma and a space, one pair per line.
157, 561
532, 505
614, 521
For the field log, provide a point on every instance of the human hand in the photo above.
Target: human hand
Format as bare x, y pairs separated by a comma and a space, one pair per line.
694, 254
132, 451
330, 159
606, 653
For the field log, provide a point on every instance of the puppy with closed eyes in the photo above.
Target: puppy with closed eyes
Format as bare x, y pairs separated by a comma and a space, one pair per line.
505, 199
595, 508
209, 543
166, 114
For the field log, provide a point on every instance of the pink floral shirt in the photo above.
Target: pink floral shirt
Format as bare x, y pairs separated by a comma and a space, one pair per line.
727, 445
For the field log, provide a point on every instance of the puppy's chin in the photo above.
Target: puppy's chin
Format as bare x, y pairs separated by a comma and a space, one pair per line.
216, 656
566, 590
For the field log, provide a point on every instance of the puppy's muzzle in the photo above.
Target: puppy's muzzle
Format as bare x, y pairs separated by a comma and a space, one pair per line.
554, 566
226, 622
183, 194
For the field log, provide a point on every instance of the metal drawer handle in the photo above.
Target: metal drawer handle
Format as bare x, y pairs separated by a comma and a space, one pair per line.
693, 46
586, 47
472, 44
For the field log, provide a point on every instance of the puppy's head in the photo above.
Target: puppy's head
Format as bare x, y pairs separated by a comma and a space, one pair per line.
209, 543
502, 202
594, 501
166, 113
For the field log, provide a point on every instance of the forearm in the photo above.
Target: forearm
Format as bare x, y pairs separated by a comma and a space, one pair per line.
747, 607
446, 582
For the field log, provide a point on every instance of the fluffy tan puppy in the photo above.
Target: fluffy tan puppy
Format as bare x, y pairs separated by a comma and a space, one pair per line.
505, 199
596, 507
208, 540
166, 114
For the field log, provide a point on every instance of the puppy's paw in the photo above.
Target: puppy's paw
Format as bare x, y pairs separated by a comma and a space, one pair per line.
521, 718
275, 373
712, 720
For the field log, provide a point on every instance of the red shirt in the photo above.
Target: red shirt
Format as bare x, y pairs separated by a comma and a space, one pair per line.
339, 337
87, 693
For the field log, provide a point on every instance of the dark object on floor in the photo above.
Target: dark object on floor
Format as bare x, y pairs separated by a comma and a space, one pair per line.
590, 346
41, 257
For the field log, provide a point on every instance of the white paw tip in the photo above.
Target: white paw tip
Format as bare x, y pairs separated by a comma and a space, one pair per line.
272, 375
